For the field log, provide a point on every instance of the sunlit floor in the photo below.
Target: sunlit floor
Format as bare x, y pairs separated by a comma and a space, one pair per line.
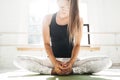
110, 74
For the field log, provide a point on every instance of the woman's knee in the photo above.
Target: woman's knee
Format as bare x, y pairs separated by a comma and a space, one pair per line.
100, 64
107, 62
21, 60
97, 64
18, 59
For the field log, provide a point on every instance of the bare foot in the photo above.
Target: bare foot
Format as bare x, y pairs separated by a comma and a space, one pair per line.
70, 72
53, 72
65, 73
61, 73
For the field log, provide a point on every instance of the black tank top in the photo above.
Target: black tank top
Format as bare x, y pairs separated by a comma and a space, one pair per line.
60, 44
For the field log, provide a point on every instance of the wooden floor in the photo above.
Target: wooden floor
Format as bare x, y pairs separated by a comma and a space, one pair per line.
110, 74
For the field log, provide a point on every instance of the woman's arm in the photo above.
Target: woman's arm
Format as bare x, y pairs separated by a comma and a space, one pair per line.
67, 69
46, 38
77, 41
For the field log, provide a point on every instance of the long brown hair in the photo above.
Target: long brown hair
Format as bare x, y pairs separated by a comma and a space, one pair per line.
74, 19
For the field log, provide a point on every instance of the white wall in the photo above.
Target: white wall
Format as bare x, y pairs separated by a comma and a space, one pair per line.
103, 16
13, 18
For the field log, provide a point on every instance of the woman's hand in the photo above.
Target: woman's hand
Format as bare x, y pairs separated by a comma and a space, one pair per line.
58, 67
65, 69
62, 68
58, 64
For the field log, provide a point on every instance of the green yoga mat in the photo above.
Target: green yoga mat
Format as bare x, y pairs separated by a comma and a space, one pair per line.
75, 77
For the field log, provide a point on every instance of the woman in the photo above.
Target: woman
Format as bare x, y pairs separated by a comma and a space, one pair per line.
64, 31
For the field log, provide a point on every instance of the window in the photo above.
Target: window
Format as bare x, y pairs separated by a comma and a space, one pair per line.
38, 9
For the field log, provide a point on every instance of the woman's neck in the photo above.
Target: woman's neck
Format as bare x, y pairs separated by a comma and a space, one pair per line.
62, 19
62, 15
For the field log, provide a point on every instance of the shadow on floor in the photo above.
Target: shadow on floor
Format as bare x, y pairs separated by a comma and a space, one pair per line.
75, 77
70, 77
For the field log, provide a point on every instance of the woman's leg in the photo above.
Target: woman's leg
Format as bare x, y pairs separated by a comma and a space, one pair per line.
91, 65
42, 66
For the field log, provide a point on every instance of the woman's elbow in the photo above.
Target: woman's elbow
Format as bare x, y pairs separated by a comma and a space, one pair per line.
77, 45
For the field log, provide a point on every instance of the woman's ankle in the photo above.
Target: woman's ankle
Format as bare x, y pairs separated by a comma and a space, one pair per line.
53, 72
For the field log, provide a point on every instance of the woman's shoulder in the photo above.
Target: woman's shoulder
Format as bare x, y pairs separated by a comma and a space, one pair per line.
47, 18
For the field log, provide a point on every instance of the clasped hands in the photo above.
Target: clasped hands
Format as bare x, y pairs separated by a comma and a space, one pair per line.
63, 68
